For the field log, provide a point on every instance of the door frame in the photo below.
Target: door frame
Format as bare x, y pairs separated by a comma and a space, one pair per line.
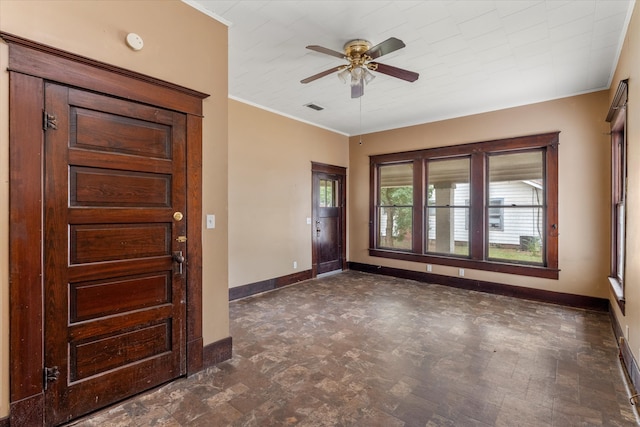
342, 172
30, 65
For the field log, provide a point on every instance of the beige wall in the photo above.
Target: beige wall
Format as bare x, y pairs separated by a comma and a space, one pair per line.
270, 191
629, 67
583, 185
182, 46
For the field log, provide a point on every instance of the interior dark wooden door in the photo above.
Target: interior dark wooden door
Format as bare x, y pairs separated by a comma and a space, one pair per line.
327, 208
114, 285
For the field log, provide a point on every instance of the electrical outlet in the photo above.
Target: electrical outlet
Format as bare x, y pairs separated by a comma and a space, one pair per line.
429, 268
295, 264
461, 272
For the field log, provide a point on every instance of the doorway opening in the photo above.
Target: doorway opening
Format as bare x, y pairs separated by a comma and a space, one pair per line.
329, 219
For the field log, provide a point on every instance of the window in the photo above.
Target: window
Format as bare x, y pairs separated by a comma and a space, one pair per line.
519, 178
488, 205
446, 232
617, 117
328, 193
396, 206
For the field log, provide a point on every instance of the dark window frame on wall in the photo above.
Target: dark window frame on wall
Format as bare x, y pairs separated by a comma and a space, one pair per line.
478, 222
617, 117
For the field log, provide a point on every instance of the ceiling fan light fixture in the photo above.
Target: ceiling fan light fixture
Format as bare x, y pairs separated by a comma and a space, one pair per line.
356, 75
368, 76
342, 75
360, 56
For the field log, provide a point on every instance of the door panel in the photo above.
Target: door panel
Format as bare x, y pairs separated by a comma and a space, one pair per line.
142, 138
94, 299
328, 212
114, 296
104, 187
100, 355
329, 258
100, 242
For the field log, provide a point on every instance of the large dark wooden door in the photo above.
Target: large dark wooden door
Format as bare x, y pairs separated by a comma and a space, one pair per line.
328, 222
114, 274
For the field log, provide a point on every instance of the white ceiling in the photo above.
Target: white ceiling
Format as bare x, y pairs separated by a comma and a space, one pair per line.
472, 56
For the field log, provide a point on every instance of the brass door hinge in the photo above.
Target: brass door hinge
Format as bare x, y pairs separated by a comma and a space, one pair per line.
50, 375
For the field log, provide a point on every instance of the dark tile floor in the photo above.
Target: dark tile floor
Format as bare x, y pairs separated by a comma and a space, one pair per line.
356, 349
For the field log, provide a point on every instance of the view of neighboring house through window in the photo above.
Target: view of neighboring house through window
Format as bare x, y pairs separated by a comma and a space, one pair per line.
486, 205
618, 117
516, 209
496, 215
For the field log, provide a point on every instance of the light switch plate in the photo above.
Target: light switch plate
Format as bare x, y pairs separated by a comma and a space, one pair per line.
211, 221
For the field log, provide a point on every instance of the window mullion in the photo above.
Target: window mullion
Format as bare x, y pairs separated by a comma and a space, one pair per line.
418, 206
478, 189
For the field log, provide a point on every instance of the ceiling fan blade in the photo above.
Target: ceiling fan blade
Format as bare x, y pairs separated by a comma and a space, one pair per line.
322, 74
399, 73
326, 51
389, 45
357, 90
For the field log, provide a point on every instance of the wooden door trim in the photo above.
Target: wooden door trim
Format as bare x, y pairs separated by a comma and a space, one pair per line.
36, 59
194, 245
30, 64
333, 170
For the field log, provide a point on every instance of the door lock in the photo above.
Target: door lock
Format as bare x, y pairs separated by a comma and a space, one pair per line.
318, 228
179, 258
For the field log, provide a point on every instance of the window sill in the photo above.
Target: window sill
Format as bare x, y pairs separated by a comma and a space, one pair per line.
498, 267
618, 291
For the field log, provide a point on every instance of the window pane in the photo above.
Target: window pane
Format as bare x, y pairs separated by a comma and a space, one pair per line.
396, 185
520, 240
445, 177
396, 226
323, 193
515, 212
335, 192
395, 217
618, 190
620, 225
512, 175
448, 206
328, 193
446, 231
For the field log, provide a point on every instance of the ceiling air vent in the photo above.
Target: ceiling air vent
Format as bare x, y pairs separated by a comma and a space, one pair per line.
314, 106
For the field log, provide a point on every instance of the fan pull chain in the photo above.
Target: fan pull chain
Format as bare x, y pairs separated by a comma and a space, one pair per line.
360, 142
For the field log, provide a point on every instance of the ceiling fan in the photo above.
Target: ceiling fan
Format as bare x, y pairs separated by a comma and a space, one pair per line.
360, 55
